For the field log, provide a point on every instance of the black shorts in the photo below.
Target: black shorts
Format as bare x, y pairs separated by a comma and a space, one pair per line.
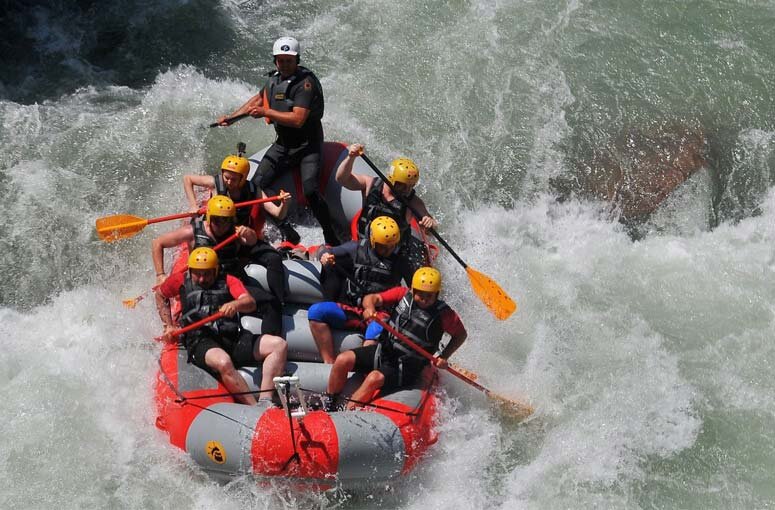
241, 354
278, 160
398, 370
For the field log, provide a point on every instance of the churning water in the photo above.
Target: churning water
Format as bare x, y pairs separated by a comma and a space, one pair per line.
650, 362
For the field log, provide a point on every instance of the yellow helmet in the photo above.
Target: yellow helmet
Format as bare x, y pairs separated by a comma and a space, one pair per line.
384, 230
404, 170
427, 279
203, 258
221, 205
237, 164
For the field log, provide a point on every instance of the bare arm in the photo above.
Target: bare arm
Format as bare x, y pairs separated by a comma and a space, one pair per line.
280, 211
425, 219
253, 102
370, 304
168, 240
163, 307
344, 173
243, 304
191, 180
295, 118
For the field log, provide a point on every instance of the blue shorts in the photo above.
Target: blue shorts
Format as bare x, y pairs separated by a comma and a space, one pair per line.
329, 312
341, 316
373, 331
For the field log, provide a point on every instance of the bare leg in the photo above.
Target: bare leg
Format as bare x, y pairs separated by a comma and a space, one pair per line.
219, 360
324, 340
273, 350
374, 381
344, 363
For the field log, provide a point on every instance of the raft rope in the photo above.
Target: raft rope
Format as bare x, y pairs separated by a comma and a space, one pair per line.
187, 400
295, 455
413, 413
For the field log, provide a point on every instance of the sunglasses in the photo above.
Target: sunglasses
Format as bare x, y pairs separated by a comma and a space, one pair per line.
221, 220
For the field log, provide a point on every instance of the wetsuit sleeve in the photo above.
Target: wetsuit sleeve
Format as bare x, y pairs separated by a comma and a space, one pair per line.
304, 93
169, 289
236, 287
451, 323
343, 250
391, 297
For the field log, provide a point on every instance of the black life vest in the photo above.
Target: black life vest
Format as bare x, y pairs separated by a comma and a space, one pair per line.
423, 326
198, 303
278, 94
248, 193
228, 256
374, 206
371, 272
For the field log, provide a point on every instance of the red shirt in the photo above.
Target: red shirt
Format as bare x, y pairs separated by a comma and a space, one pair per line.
171, 286
450, 320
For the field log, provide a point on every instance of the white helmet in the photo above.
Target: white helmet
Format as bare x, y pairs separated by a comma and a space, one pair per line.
285, 46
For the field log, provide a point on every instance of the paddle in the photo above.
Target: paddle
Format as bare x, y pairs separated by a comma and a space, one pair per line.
230, 120
489, 292
519, 410
132, 302
193, 326
123, 226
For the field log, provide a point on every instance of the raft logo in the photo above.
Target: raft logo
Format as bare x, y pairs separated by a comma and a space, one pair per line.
216, 452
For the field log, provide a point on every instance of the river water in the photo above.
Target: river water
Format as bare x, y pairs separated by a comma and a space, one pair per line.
649, 362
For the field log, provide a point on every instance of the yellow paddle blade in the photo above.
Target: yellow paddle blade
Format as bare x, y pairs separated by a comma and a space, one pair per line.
119, 226
495, 298
513, 409
131, 303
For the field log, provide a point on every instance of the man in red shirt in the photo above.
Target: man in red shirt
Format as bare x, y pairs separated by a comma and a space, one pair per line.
421, 316
221, 346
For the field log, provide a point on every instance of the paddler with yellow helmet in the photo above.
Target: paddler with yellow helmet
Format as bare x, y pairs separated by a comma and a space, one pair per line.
350, 271
219, 224
379, 200
222, 346
232, 181
419, 314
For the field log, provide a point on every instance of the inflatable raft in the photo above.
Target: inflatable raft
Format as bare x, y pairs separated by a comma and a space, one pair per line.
298, 441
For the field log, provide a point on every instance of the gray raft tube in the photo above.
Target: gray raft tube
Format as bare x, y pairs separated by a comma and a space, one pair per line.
302, 286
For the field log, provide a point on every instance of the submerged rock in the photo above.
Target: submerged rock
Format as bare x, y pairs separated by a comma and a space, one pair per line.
638, 170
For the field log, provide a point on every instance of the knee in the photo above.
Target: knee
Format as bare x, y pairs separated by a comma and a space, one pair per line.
223, 365
345, 361
375, 379
275, 345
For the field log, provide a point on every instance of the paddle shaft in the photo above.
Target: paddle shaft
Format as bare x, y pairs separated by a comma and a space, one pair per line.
197, 324
230, 120
203, 210
425, 354
225, 242
412, 209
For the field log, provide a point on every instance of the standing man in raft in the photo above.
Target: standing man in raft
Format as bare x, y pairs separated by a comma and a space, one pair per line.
292, 100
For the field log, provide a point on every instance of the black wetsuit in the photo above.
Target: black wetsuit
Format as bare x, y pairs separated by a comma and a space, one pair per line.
297, 146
